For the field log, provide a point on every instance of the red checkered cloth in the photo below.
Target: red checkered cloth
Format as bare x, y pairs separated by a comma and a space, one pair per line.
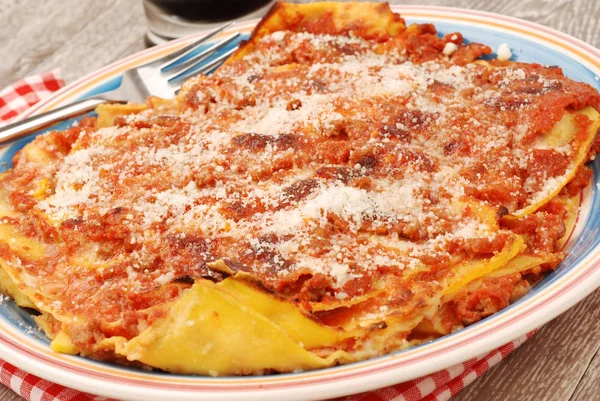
23, 94
439, 386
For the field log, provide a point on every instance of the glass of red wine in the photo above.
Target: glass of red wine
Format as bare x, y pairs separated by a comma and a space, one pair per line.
171, 19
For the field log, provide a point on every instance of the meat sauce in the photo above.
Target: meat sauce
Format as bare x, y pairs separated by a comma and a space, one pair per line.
274, 165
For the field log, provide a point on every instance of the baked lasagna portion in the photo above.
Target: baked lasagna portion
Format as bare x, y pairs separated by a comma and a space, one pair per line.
343, 187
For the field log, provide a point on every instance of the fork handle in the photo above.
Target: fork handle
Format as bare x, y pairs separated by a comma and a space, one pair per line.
25, 127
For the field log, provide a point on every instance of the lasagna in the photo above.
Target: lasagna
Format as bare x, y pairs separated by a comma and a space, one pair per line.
343, 187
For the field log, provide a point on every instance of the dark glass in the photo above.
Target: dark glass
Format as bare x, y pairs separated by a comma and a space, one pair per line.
171, 19
208, 10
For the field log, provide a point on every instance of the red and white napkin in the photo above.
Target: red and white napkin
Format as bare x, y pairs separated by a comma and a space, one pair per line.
23, 94
439, 386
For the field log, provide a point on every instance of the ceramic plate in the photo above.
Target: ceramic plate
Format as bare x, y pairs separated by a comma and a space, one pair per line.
25, 346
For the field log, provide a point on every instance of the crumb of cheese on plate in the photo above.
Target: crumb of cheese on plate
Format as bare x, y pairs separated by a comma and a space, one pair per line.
504, 52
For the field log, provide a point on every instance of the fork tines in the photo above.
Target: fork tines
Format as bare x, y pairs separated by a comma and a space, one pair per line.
173, 58
188, 67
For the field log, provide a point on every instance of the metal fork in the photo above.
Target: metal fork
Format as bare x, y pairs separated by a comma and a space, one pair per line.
160, 77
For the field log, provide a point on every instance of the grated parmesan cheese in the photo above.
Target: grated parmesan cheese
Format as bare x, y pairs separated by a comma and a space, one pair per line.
504, 52
449, 48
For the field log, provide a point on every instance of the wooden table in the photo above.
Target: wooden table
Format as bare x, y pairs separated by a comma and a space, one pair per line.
561, 362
